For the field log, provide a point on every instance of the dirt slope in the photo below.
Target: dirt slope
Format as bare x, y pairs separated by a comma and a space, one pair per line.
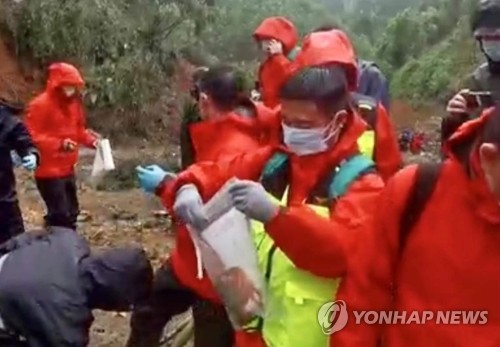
15, 84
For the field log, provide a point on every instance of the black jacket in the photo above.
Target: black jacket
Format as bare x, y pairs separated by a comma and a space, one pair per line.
13, 136
50, 282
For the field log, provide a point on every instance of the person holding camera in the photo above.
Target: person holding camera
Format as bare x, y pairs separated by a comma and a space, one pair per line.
56, 121
482, 88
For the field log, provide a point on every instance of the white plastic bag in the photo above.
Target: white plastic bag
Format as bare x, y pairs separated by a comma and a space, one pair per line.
229, 258
103, 160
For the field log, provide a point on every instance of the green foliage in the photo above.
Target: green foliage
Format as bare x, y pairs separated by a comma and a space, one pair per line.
125, 47
229, 35
433, 74
121, 45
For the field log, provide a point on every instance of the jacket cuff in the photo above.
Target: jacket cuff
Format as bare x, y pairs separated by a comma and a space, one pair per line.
275, 225
167, 190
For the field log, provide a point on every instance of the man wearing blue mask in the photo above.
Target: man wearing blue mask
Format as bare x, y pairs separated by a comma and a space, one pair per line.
486, 78
309, 198
15, 143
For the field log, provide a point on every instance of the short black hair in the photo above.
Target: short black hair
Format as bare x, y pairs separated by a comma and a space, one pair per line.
327, 27
226, 85
324, 85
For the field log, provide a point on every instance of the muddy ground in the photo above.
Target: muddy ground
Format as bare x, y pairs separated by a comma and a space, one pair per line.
108, 218
121, 215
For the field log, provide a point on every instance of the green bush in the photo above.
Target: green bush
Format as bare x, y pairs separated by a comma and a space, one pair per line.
121, 46
435, 74
125, 47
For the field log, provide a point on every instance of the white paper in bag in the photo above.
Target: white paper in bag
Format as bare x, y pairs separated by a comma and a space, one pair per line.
230, 260
103, 160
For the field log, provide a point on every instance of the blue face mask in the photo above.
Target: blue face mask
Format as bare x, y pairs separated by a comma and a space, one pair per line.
492, 49
306, 141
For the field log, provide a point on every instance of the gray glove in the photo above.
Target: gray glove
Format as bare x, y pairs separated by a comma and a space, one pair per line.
251, 199
188, 207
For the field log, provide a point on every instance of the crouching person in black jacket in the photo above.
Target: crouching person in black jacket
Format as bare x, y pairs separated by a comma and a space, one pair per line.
13, 137
50, 281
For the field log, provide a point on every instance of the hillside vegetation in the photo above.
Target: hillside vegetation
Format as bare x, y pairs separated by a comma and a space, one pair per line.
127, 48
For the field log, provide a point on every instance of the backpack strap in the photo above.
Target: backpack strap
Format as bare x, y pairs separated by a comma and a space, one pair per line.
275, 178
276, 175
348, 172
338, 181
367, 107
426, 178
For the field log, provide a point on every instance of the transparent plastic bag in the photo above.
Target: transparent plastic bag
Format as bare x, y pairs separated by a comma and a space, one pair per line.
229, 258
103, 160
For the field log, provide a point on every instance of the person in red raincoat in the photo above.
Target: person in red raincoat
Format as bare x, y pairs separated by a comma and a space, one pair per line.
276, 67
319, 130
56, 122
230, 124
277, 38
450, 259
372, 85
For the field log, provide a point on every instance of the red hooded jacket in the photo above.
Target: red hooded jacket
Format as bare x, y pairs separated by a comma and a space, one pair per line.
219, 139
52, 117
386, 155
297, 229
233, 134
450, 261
273, 70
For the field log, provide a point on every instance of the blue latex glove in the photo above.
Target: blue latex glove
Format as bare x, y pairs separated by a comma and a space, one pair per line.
252, 199
29, 162
150, 177
16, 160
188, 207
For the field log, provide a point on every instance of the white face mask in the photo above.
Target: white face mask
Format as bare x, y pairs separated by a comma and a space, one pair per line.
69, 91
308, 141
492, 49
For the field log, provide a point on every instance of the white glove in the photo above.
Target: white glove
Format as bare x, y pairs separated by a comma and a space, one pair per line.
275, 47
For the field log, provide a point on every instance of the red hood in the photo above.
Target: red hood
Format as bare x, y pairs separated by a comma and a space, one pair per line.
465, 132
278, 28
330, 47
63, 74
486, 204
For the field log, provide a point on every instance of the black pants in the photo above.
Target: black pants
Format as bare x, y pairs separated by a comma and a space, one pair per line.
169, 298
11, 220
61, 200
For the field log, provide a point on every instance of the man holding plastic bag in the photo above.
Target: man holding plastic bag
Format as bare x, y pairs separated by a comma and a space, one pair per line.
56, 121
309, 198
241, 125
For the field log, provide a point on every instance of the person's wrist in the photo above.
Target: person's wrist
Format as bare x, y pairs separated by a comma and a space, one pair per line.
273, 212
161, 185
